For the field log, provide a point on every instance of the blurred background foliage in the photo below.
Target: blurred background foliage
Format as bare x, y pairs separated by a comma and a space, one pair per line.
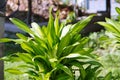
118, 1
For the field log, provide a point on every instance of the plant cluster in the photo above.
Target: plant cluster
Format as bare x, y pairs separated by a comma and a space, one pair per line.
106, 47
112, 60
58, 51
53, 52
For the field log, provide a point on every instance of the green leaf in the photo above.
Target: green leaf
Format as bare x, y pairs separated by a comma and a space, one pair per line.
88, 60
32, 73
65, 69
78, 56
26, 47
51, 30
115, 24
14, 71
89, 73
56, 24
69, 49
37, 30
10, 58
108, 76
9, 40
21, 36
25, 57
25, 66
18, 41
117, 10
21, 25
5, 40
109, 27
47, 76
73, 55
63, 43
44, 30
5, 58
41, 57
50, 40
65, 31
80, 47
81, 24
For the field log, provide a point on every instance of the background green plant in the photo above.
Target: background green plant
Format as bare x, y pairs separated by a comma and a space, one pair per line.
106, 47
113, 26
117, 1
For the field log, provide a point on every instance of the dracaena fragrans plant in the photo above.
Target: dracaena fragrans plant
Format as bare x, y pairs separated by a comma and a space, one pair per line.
54, 52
